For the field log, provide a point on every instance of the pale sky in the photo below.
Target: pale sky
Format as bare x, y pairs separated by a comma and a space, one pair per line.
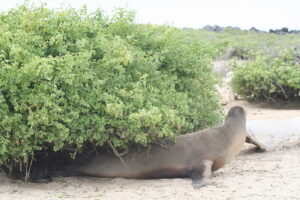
263, 14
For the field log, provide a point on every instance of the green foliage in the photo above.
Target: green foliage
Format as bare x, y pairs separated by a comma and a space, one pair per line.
243, 44
69, 78
268, 78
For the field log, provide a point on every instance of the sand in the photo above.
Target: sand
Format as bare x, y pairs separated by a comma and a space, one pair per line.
271, 175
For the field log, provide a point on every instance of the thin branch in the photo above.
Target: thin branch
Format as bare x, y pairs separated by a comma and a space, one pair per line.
117, 153
286, 97
27, 173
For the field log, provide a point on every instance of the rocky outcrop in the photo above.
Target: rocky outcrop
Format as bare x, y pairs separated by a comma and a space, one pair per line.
219, 29
214, 28
254, 29
284, 30
295, 31
280, 31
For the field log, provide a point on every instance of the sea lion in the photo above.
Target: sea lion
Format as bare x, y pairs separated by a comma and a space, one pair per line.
194, 155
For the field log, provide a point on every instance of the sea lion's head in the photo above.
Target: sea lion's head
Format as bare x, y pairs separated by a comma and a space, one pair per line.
237, 113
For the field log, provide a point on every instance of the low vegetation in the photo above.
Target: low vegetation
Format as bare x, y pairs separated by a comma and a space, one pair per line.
270, 63
244, 44
70, 78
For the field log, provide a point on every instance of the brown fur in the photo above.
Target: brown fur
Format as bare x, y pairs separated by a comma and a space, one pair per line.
193, 155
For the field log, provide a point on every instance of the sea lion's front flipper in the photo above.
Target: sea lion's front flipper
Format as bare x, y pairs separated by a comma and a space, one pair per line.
199, 183
201, 173
251, 140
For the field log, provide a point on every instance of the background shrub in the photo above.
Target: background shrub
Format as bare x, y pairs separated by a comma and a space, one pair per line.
268, 78
270, 62
68, 78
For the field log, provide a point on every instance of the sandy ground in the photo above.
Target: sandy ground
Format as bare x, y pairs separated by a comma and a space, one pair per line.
271, 175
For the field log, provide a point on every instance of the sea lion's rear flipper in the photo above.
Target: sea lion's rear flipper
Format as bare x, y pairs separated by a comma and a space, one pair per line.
201, 173
251, 140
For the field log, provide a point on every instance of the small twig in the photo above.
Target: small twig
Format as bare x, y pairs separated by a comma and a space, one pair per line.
148, 151
162, 144
21, 166
117, 153
94, 146
267, 97
125, 152
11, 167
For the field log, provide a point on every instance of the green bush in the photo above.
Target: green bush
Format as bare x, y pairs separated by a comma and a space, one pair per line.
268, 78
68, 78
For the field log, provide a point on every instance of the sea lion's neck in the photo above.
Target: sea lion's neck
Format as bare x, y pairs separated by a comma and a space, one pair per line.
237, 122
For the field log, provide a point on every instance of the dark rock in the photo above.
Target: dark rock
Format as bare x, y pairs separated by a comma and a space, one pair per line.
282, 31
214, 28
285, 30
277, 31
294, 31
254, 29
